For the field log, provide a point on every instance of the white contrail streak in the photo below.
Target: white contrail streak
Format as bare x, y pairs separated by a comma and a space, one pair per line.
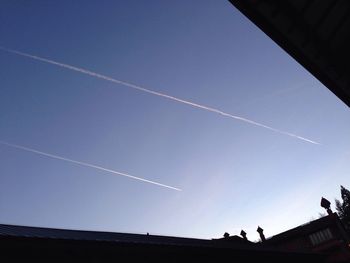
133, 86
85, 164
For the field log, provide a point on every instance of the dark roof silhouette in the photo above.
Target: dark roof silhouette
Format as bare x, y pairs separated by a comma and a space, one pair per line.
54, 233
235, 239
40, 244
315, 33
305, 229
325, 235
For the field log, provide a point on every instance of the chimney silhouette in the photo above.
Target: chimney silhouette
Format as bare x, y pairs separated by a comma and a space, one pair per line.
326, 205
260, 231
244, 235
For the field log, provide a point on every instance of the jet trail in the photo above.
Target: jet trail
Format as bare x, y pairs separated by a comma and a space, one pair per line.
139, 88
85, 164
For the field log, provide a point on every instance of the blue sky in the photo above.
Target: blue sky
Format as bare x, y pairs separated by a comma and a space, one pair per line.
232, 174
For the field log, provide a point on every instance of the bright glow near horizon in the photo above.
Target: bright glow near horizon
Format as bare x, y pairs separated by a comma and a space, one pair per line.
233, 175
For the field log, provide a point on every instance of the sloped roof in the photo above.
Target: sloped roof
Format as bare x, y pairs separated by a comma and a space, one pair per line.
315, 33
305, 229
53, 233
41, 244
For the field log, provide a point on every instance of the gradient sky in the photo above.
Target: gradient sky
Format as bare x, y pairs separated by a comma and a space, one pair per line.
233, 175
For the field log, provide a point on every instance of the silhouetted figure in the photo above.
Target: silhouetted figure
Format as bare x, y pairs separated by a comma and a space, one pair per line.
326, 205
226, 235
244, 234
260, 231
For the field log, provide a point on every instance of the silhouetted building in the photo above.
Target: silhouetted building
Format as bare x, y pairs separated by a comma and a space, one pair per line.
33, 244
325, 235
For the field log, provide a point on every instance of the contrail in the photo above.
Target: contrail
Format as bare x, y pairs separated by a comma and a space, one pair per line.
139, 88
53, 156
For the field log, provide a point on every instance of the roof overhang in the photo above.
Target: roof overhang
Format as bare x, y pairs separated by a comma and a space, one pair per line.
315, 33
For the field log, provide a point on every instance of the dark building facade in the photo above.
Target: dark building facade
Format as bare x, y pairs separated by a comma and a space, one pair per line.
33, 244
325, 235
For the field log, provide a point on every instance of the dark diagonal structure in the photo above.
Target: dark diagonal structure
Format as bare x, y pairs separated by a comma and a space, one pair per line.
315, 33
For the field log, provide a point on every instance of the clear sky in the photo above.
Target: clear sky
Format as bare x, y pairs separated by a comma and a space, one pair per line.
233, 175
